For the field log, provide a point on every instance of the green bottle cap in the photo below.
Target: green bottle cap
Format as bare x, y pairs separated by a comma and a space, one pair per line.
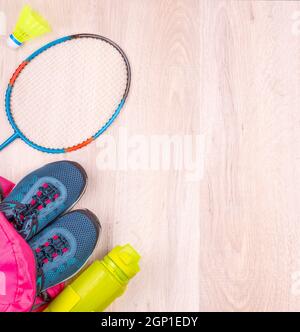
127, 259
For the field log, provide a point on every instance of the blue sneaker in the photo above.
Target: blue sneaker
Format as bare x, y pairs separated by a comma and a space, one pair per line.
63, 248
43, 195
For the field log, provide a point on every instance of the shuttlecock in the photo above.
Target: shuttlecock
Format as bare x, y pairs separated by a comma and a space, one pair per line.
30, 25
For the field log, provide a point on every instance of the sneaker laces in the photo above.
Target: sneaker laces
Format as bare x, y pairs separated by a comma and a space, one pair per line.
47, 252
51, 249
18, 213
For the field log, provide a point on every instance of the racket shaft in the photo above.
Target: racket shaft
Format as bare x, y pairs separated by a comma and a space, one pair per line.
9, 141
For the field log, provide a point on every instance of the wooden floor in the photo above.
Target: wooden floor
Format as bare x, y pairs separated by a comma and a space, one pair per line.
227, 70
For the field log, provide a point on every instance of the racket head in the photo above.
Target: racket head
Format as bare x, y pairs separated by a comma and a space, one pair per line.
123, 90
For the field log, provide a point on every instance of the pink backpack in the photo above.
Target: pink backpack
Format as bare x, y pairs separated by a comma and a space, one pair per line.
17, 269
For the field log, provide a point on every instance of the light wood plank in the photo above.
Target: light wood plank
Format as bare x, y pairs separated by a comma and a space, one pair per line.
228, 70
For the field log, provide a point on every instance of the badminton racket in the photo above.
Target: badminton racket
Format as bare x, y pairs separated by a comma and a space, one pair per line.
67, 93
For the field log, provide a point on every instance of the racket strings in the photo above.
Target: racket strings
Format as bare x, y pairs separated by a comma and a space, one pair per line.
68, 93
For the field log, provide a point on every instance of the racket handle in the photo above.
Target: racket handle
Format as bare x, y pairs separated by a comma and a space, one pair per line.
9, 140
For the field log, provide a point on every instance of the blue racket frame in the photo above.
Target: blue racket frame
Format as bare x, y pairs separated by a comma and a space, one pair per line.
18, 133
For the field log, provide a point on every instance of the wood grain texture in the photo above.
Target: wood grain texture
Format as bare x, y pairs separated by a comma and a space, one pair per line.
229, 70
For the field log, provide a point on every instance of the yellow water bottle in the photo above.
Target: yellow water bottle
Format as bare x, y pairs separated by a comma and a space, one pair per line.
97, 287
